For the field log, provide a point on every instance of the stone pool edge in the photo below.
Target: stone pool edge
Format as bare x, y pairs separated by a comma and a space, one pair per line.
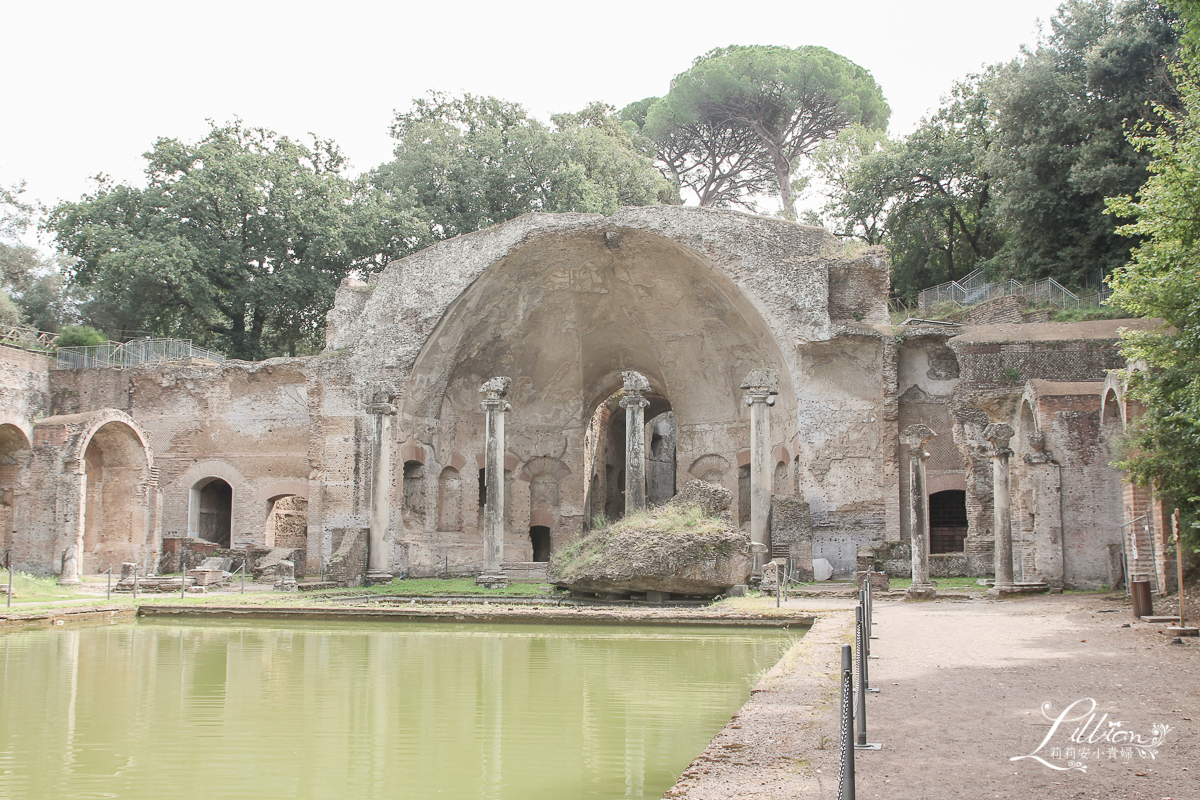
784, 741
17, 620
480, 613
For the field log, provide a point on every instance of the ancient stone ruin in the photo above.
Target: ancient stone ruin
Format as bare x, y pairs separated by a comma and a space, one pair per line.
482, 403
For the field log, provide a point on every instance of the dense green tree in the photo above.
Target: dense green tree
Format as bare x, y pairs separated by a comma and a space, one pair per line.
1061, 113
237, 241
927, 196
722, 165
31, 286
469, 162
1163, 280
750, 113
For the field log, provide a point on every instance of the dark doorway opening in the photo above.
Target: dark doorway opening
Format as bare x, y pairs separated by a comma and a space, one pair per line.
539, 536
947, 521
216, 512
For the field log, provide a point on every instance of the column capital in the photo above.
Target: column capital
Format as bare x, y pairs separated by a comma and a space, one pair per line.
494, 392
381, 408
634, 400
761, 386
999, 434
915, 436
634, 382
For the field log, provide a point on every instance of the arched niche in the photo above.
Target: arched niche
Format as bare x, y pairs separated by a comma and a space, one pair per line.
116, 464
210, 511
562, 315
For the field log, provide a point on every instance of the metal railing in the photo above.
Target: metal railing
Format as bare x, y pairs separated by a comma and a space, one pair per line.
137, 351
974, 289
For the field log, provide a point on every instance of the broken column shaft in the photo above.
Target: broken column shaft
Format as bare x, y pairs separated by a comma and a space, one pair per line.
761, 386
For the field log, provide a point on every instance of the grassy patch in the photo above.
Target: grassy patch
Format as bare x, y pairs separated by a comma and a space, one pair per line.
34, 589
941, 583
1084, 314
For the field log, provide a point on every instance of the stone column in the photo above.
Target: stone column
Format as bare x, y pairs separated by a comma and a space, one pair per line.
761, 386
915, 436
72, 565
494, 405
634, 402
378, 569
999, 435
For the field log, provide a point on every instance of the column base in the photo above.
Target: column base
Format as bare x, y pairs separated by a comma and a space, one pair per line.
69, 582
1025, 587
491, 580
920, 591
377, 576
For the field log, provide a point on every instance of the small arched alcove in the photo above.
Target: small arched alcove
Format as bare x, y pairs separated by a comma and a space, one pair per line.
116, 465
210, 512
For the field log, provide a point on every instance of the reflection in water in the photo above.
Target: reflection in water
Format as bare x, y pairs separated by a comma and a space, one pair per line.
410, 710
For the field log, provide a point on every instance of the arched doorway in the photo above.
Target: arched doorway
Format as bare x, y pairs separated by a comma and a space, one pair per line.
116, 468
211, 511
604, 456
14, 465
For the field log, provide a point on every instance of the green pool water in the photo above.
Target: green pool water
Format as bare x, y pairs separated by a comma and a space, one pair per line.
326, 710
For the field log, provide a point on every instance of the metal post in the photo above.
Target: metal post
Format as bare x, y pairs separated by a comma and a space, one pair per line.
1178, 568
778, 587
108, 590
846, 768
8, 561
243, 577
861, 706
182, 583
135, 581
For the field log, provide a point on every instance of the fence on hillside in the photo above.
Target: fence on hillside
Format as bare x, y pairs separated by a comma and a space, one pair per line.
973, 289
137, 351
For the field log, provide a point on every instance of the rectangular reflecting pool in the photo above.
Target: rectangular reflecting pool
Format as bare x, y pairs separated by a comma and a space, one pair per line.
406, 710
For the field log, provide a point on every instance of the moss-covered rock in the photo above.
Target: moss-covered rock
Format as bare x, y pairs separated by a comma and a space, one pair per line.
675, 549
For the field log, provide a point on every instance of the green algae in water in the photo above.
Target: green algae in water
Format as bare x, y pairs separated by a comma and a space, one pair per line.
377, 710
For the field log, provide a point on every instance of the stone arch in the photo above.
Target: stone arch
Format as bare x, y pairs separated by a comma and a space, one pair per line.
1112, 417
782, 462
115, 463
211, 514
562, 306
284, 506
16, 455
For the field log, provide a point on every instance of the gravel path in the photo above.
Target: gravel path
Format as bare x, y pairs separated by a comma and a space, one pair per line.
963, 686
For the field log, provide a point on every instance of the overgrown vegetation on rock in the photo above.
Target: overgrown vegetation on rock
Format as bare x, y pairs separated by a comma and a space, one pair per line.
676, 548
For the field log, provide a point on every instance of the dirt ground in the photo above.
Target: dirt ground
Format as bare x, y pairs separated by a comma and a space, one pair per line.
963, 686
966, 687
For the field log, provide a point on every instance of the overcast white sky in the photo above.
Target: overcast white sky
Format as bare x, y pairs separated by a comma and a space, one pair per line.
89, 85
